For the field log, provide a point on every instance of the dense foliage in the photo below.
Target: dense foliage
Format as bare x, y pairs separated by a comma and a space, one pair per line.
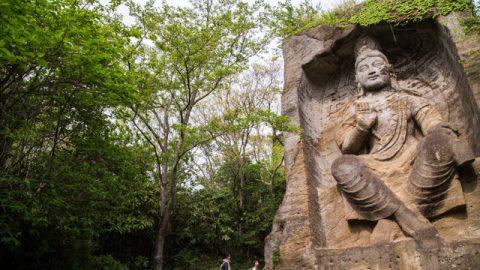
471, 25
67, 177
209, 222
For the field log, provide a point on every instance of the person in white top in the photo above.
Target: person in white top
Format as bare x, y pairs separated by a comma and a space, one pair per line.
226, 263
256, 265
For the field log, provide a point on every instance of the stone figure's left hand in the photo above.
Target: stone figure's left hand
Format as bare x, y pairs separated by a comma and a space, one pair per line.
444, 129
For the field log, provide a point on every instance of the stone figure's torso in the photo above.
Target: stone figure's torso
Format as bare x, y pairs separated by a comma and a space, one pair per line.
395, 124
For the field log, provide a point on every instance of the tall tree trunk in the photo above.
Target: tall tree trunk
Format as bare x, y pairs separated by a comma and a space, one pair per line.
160, 233
242, 184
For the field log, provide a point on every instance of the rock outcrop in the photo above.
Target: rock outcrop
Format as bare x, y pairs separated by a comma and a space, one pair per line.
318, 225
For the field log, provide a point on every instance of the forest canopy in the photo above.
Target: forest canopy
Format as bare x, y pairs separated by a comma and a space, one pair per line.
148, 144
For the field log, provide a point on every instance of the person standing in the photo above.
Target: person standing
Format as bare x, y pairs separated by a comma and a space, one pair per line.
256, 265
226, 263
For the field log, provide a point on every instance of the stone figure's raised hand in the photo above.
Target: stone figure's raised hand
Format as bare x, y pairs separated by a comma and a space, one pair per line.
365, 117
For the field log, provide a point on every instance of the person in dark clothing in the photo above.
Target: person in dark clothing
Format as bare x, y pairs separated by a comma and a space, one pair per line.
226, 263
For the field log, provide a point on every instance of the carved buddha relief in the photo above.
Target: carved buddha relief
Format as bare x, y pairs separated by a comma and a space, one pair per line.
380, 176
399, 157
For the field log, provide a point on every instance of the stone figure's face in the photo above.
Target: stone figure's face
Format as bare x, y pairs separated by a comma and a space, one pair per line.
372, 73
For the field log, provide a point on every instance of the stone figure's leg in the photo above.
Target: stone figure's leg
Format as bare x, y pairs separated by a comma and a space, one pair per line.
414, 224
433, 171
366, 193
373, 200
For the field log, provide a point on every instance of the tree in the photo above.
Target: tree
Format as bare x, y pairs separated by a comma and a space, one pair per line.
254, 95
246, 161
67, 176
195, 50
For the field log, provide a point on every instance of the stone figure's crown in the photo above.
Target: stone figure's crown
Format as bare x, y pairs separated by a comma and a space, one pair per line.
365, 44
365, 47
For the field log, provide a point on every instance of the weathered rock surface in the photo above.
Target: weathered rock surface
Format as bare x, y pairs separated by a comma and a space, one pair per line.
315, 228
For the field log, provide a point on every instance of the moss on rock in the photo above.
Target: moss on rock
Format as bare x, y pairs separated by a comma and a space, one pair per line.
373, 12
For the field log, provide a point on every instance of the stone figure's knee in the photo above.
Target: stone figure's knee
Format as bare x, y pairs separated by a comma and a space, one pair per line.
345, 167
437, 146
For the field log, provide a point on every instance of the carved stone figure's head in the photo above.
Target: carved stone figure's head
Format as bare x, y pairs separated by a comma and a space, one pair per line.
372, 70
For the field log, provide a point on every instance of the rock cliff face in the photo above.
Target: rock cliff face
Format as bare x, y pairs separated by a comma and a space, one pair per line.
315, 228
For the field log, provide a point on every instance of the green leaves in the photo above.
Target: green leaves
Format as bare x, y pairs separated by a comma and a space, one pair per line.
99, 121
290, 20
287, 19
66, 178
208, 219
